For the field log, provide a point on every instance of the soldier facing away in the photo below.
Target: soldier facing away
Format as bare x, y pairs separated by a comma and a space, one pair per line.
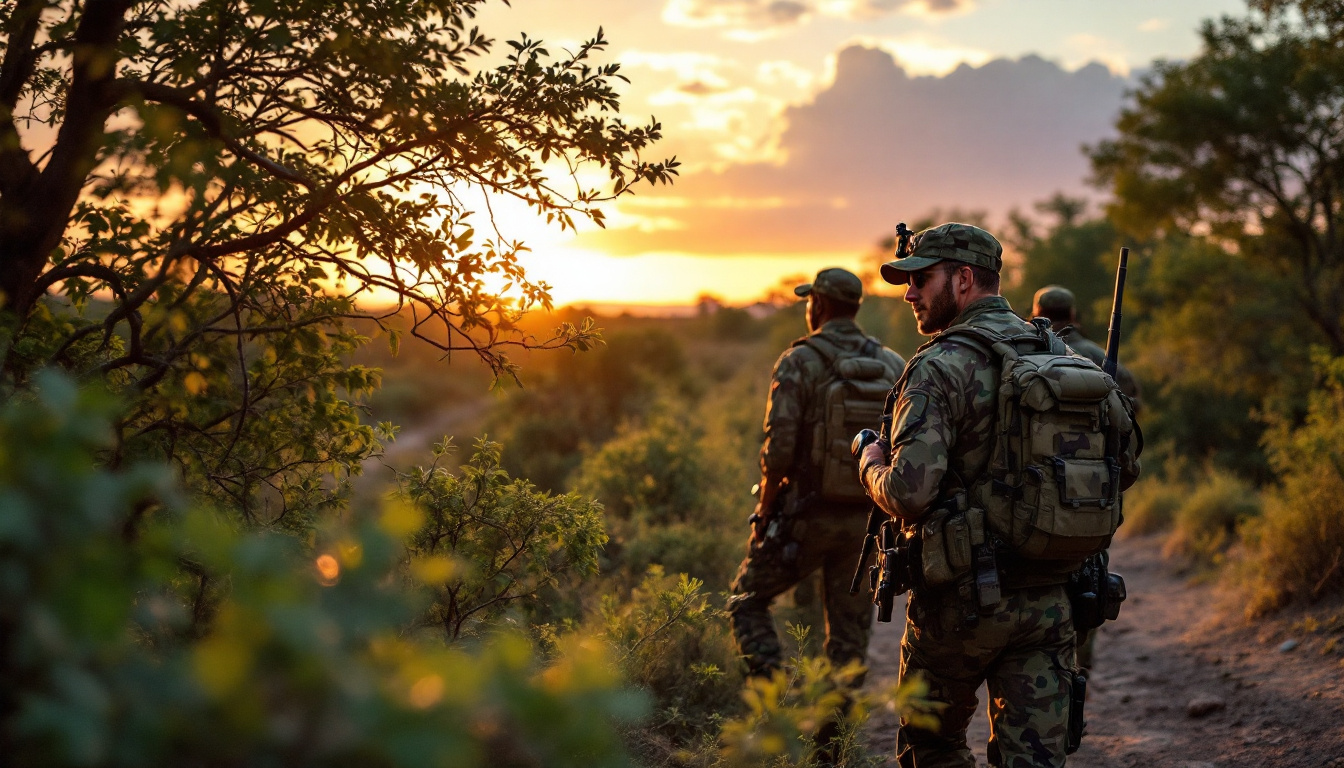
1020, 639
1057, 304
811, 508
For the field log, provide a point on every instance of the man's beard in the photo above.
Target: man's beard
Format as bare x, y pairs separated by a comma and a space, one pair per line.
941, 312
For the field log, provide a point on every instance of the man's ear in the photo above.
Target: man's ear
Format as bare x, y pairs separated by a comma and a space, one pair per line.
965, 279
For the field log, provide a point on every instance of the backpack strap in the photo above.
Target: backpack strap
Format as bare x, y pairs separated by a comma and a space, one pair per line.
831, 353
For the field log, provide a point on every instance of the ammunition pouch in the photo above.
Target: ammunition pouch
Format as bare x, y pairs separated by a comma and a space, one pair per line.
955, 546
947, 551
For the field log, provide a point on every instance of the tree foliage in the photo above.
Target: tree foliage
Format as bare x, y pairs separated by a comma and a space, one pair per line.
216, 186
1244, 143
1076, 251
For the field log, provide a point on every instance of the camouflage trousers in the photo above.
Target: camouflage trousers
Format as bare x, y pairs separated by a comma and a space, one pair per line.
1087, 650
1024, 652
826, 539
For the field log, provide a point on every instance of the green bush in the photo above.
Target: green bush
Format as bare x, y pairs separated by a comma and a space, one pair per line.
304, 660
1296, 551
578, 401
673, 643
1206, 522
485, 541
664, 493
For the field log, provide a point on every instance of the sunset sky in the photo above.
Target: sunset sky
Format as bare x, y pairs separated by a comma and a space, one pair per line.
808, 128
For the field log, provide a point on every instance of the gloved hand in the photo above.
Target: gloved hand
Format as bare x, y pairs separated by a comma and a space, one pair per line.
873, 455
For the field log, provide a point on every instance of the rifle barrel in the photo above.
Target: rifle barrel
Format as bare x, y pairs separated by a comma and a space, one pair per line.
1113, 333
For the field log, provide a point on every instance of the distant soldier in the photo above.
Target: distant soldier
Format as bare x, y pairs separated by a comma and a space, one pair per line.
1057, 303
811, 508
999, 618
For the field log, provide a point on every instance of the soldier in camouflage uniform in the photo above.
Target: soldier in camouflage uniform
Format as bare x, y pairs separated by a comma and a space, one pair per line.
812, 533
941, 439
1057, 304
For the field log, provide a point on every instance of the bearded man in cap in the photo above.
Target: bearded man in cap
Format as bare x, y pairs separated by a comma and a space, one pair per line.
1019, 641
817, 525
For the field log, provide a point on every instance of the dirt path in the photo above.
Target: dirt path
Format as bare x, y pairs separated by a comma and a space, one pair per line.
1181, 682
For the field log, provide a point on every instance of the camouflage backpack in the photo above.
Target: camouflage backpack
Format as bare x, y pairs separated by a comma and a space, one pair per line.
849, 401
1052, 489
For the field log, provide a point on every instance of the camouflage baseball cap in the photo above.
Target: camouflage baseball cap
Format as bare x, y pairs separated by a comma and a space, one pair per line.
954, 241
1053, 298
836, 283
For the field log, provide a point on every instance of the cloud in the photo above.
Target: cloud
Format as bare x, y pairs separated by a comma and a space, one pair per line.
869, 9
750, 19
918, 55
1088, 47
686, 65
1154, 25
891, 147
734, 13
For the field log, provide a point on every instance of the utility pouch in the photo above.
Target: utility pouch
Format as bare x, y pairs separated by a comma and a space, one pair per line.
1077, 724
1115, 595
1095, 593
946, 553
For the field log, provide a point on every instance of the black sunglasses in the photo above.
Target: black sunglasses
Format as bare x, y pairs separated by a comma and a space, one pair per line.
921, 278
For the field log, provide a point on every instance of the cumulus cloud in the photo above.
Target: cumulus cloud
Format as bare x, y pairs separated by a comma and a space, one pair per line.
734, 13
918, 55
766, 15
868, 9
878, 146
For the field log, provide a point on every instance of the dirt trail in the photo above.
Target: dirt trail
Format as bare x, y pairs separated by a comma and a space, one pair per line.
1179, 682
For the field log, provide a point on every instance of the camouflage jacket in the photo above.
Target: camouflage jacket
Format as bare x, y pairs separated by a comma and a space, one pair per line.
1084, 346
795, 384
942, 428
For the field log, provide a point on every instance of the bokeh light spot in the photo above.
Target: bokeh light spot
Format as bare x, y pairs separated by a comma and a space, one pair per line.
328, 569
427, 691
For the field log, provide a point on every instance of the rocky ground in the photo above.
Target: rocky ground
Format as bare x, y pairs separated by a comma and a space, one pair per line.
1183, 680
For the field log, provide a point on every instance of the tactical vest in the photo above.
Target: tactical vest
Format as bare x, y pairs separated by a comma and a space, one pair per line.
849, 400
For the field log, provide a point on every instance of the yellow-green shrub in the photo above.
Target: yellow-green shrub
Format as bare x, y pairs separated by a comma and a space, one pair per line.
1151, 506
1206, 522
1296, 551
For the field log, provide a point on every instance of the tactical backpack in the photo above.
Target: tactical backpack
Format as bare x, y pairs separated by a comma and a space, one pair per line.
1052, 489
850, 401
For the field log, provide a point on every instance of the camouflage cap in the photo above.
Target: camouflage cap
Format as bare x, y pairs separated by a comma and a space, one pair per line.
954, 241
1053, 298
836, 283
